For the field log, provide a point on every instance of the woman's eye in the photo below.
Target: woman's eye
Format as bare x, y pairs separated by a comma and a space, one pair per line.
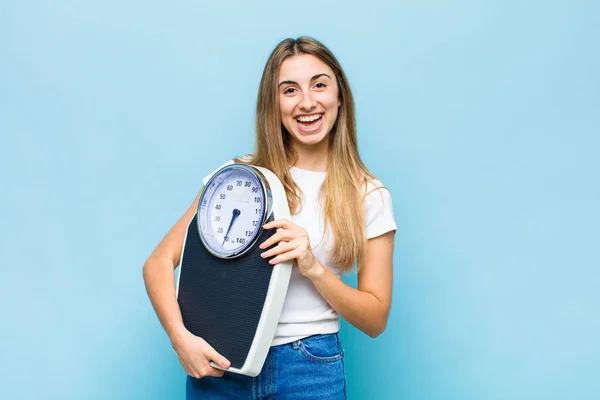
289, 90
320, 85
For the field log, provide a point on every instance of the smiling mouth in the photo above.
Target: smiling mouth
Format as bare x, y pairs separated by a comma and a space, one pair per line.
309, 122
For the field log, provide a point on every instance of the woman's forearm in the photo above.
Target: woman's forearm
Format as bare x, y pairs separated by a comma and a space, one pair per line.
362, 309
160, 285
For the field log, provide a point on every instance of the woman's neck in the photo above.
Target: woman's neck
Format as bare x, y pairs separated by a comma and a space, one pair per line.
312, 158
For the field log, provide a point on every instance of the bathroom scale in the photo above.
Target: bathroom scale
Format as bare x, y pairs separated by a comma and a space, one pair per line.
227, 293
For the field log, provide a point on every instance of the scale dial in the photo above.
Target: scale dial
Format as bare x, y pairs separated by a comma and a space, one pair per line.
232, 210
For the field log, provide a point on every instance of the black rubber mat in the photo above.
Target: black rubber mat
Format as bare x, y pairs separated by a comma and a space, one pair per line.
221, 300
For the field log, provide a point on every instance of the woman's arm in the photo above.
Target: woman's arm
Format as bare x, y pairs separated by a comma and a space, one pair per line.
367, 307
193, 352
159, 277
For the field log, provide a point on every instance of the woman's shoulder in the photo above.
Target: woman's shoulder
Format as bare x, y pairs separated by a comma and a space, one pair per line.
379, 210
244, 159
372, 186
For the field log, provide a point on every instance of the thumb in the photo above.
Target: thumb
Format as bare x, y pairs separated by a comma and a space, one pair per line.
218, 359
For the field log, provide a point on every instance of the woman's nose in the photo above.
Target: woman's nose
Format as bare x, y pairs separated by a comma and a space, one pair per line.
307, 103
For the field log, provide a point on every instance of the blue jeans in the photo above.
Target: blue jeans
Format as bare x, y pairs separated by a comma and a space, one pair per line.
307, 369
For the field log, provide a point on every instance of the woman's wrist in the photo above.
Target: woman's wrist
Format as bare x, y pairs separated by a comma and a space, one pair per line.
317, 271
178, 335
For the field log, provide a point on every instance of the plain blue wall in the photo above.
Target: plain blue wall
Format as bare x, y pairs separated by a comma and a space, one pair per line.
482, 118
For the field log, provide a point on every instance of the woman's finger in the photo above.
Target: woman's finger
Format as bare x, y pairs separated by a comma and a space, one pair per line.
218, 359
282, 247
281, 235
216, 372
290, 255
280, 223
206, 370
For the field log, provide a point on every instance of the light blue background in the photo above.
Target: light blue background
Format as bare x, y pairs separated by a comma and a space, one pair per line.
482, 118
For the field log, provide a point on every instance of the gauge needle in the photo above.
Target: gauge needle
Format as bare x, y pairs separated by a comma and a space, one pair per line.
235, 214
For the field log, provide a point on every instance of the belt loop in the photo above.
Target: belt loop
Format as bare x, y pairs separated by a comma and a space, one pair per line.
296, 344
339, 344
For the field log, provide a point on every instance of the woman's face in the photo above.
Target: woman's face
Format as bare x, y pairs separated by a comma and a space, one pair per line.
308, 99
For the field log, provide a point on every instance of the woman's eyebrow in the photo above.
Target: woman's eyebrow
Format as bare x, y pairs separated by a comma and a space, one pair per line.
287, 82
314, 78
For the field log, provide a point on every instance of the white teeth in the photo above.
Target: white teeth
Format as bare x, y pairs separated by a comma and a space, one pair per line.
309, 118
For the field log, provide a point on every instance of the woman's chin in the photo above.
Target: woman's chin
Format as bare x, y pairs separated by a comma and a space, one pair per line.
309, 139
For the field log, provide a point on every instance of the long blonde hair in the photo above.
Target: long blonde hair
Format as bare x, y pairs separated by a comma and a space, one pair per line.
344, 189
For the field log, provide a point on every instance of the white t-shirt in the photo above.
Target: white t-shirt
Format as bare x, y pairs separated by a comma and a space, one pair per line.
305, 312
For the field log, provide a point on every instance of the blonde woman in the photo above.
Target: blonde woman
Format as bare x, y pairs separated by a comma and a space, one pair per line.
341, 216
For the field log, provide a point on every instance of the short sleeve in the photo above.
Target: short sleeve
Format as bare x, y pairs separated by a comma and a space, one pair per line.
379, 213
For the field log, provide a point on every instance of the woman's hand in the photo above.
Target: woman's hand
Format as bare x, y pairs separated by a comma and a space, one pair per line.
195, 354
293, 245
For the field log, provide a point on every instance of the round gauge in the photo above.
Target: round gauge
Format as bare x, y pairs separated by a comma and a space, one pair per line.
232, 210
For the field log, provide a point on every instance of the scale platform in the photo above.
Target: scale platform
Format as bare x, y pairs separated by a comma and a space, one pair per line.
234, 304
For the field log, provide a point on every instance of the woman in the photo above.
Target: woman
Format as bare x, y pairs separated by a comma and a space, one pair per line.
306, 135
